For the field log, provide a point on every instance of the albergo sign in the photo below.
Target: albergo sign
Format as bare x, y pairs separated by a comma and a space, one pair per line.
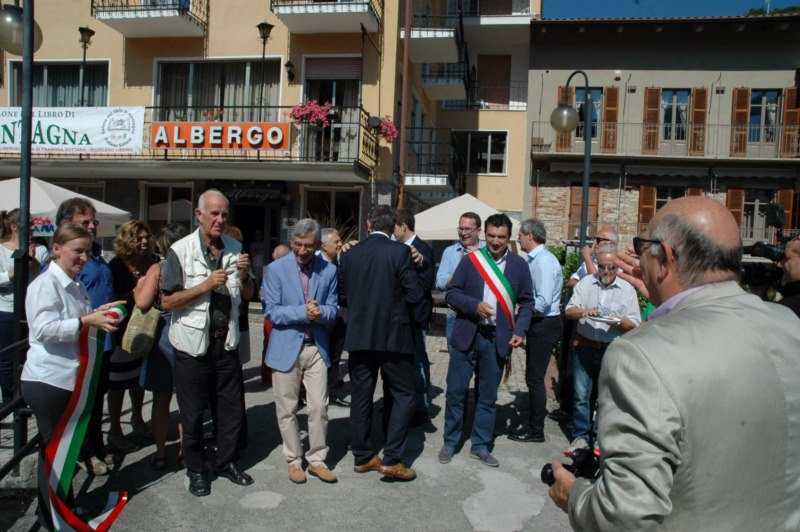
220, 135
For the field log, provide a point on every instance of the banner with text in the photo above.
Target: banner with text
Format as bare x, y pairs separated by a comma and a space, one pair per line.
95, 130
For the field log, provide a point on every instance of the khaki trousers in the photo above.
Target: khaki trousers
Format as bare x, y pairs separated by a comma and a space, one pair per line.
310, 370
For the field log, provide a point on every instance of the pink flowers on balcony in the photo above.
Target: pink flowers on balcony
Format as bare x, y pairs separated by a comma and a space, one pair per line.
387, 129
311, 112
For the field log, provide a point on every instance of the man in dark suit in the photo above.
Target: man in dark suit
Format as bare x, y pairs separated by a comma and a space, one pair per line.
381, 290
492, 294
423, 263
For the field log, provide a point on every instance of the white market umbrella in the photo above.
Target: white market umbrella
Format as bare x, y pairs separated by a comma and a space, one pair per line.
440, 222
45, 199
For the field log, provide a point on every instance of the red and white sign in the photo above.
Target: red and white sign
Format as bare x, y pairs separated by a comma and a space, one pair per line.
220, 135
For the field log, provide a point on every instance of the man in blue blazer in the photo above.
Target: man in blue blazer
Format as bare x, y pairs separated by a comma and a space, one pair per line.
300, 298
492, 295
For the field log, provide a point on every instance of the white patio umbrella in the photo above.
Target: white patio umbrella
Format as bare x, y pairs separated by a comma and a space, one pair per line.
45, 199
440, 222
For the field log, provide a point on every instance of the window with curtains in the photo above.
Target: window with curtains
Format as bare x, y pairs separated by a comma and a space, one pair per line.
674, 114
580, 104
245, 90
764, 105
59, 84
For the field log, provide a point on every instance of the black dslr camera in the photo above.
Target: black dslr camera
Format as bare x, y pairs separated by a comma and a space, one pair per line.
585, 463
766, 273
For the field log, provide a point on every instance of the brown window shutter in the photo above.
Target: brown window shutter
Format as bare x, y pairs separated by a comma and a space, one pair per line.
576, 199
694, 191
735, 203
610, 118
652, 108
790, 137
697, 140
785, 198
647, 206
564, 140
740, 117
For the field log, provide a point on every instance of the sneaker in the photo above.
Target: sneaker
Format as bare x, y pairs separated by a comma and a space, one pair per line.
322, 472
484, 457
296, 474
577, 443
445, 455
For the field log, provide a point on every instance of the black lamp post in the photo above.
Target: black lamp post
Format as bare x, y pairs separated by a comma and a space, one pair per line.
564, 119
86, 40
264, 29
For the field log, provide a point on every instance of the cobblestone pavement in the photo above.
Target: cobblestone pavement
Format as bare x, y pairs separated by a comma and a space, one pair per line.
462, 495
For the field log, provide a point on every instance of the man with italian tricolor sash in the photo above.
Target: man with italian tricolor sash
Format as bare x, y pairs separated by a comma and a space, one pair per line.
492, 296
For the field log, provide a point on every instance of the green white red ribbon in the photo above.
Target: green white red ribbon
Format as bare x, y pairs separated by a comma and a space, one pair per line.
496, 281
62, 451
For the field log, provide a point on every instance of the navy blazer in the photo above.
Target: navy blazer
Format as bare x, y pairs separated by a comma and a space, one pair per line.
425, 273
465, 292
380, 287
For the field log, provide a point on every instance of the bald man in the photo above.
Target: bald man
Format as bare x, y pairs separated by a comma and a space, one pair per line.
699, 409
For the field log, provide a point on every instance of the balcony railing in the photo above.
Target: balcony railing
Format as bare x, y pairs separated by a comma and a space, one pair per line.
493, 8
154, 18
329, 16
720, 141
348, 138
492, 96
435, 152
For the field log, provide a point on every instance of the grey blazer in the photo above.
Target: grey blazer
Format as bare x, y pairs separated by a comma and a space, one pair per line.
699, 421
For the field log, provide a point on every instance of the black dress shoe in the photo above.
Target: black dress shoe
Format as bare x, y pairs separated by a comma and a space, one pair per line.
526, 434
232, 473
338, 401
198, 485
560, 416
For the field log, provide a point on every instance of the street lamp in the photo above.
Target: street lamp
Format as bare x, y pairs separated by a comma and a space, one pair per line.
264, 29
564, 119
11, 30
86, 40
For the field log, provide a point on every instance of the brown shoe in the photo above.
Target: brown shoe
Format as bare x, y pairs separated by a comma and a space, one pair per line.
399, 472
374, 464
322, 472
296, 474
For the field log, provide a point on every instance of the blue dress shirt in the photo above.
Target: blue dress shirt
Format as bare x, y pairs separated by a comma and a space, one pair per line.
450, 259
547, 282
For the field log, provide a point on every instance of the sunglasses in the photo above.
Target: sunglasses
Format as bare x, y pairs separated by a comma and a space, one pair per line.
607, 267
86, 223
599, 239
639, 244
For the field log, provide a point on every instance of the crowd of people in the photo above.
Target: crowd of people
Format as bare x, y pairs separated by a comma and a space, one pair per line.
656, 395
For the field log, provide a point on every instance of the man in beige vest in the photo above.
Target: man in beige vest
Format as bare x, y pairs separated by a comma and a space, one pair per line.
699, 408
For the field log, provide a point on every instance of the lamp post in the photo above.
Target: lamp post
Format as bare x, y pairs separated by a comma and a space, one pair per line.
86, 40
264, 29
564, 119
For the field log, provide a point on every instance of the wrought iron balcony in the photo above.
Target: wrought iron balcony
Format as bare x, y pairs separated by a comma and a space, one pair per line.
718, 141
331, 16
436, 38
434, 162
493, 8
153, 18
492, 96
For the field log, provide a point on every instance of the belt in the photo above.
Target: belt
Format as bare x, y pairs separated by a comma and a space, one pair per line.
308, 341
220, 333
583, 341
487, 328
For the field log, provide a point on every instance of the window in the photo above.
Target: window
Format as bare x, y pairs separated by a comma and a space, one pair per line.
334, 208
165, 204
485, 151
244, 89
754, 215
666, 194
334, 80
580, 105
59, 84
674, 113
763, 115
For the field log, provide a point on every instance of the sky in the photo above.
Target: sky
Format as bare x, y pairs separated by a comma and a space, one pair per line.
654, 8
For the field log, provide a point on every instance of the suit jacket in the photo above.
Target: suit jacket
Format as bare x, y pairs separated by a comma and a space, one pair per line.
699, 420
379, 285
286, 308
425, 273
465, 292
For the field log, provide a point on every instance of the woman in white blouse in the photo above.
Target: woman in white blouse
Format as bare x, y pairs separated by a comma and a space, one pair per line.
57, 307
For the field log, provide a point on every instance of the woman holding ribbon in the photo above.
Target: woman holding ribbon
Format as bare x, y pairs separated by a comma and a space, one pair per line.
58, 307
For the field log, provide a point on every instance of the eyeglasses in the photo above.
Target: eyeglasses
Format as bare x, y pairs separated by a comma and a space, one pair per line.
599, 239
607, 267
466, 230
143, 237
86, 223
304, 246
640, 243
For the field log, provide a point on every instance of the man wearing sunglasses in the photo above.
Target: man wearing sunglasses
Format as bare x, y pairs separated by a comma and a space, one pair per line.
699, 407
606, 239
605, 307
790, 264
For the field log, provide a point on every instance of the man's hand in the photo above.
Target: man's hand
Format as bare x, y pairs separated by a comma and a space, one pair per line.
312, 310
559, 491
516, 341
348, 245
470, 249
243, 264
629, 270
217, 278
484, 310
416, 256
586, 312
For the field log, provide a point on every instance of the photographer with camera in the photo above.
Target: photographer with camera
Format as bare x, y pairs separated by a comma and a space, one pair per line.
790, 264
690, 435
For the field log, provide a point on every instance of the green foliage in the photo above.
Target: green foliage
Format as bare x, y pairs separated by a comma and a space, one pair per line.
776, 11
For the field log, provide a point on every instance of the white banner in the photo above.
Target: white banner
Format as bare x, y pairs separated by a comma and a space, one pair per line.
94, 130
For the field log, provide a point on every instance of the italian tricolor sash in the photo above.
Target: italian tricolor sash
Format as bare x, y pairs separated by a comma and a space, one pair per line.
496, 282
62, 451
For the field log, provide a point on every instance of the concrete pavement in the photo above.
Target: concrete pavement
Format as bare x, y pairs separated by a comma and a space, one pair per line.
462, 495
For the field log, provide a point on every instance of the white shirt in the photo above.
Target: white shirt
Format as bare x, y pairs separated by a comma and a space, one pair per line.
53, 306
617, 299
6, 266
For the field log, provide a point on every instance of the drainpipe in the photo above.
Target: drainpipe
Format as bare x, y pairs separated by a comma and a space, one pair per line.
401, 181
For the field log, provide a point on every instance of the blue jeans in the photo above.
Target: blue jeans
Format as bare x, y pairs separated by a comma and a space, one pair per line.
482, 359
422, 372
449, 323
586, 370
